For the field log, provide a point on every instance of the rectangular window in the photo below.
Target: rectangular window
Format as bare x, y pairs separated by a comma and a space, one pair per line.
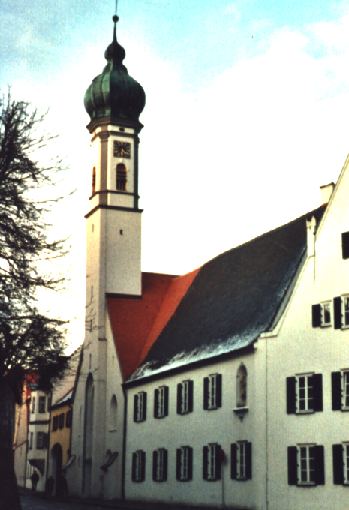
140, 407
31, 435
33, 405
212, 391
304, 393
41, 440
340, 390
61, 419
68, 418
341, 312
345, 245
185, 392
42, 405
184, 463
161, 402
212, 462
241, 460
304, 390
55, 423
321, 314
306, 465
138, 466
160, 465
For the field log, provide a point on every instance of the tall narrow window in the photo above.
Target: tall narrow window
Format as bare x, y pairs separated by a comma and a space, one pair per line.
33, 405
160, 465
140, 407
340, 390
185, 392
121, 178
241, 461
212, 391
161, 402
241, 386
138, 466
93, 180
184, 464
212, 462
42, 404
113, 413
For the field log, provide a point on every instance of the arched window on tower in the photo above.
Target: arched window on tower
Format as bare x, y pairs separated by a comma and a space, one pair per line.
241, 386
121, 177
93, 180
113, 413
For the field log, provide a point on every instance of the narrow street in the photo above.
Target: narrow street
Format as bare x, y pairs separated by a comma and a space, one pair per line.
37, 502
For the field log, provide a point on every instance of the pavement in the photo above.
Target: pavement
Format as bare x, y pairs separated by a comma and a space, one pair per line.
38, 501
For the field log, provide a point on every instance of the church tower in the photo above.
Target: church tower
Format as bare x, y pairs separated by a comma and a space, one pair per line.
114, 101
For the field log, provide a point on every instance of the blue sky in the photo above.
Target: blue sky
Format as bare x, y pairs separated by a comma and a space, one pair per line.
246, 115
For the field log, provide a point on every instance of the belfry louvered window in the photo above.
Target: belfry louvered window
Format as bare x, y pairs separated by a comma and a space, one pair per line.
121, 177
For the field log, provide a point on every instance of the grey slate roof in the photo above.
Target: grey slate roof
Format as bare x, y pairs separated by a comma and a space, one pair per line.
233, 299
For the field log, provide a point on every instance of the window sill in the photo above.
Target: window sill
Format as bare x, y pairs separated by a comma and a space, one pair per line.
306, 485
240, 412
309, 411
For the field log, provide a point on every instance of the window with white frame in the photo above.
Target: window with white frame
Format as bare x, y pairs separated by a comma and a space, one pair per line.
340, 390
345, 311
185, 391
160, 465
212, 392
212, 462
140, 406
33, 405
184, 463
304, 393
306, 465
138, 466
161, 402
321, 314
241, 460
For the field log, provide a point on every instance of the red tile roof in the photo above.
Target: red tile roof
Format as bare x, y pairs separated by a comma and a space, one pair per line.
137, 322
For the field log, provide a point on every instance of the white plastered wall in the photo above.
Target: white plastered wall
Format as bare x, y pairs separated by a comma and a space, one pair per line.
297, 348
197, 429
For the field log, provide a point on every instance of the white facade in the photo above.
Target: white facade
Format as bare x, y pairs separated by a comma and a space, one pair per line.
296, 347
38, 431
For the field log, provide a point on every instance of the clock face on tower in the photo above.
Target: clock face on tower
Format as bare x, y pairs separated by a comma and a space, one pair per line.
122, 149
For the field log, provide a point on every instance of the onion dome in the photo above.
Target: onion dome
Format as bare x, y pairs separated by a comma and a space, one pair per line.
114, 94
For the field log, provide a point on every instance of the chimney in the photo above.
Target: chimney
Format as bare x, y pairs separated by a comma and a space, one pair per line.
326, 192
311, 227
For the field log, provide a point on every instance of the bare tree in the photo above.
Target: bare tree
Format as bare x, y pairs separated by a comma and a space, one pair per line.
29, 340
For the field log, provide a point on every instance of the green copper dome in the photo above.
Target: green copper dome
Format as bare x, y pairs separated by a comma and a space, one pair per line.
113, 93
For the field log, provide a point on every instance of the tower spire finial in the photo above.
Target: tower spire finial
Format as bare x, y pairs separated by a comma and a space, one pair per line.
115, 19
